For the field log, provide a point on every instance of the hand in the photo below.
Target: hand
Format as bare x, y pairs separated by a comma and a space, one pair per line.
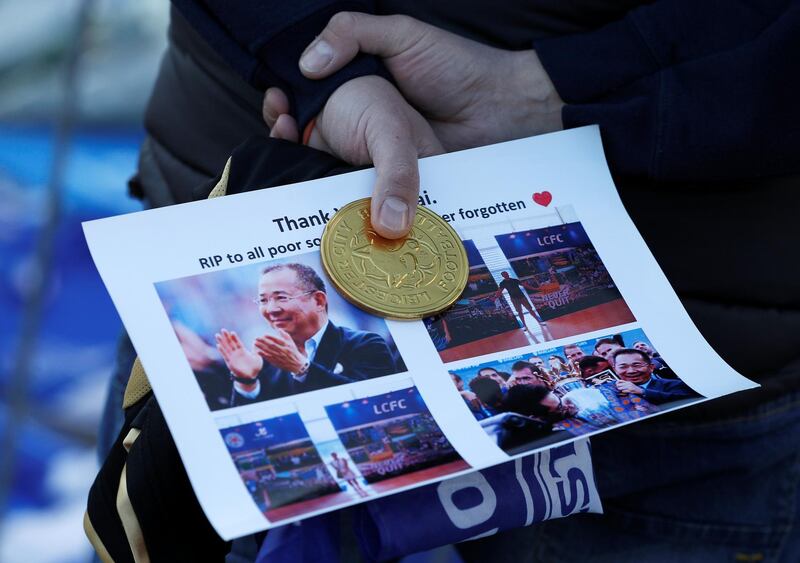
472, 399
471, 93
196, 350
628, 388
281, 351
240, 361
366, 120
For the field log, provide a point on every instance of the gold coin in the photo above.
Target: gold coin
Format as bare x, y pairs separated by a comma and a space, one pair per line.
409, 278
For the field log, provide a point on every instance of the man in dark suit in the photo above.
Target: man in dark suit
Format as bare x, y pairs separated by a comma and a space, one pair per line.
307, 351
635, 369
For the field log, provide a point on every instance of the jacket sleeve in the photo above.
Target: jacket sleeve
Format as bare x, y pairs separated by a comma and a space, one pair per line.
668, 391
367, 356
704, 93
263, 40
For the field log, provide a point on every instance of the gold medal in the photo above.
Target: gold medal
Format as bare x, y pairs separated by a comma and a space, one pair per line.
409, 278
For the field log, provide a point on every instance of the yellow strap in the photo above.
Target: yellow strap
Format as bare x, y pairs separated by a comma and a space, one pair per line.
130, 523
95, 540
222, 186
138, 385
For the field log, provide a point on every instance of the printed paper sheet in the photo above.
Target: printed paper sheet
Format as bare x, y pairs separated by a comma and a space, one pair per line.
567, 327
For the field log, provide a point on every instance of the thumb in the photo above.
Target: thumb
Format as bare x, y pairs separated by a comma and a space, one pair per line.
347, 33
394, 198
394, 140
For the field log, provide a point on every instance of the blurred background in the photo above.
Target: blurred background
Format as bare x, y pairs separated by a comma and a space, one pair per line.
74, 79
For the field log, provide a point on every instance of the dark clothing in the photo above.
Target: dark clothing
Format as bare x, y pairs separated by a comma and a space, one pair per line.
513, 287
688, 91
262, 41
173, 525
662, 368
663, 82
515, 433
660, 391
344, 356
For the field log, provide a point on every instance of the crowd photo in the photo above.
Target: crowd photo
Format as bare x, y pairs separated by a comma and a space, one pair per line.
529, 401
480, 321
558, 283
274, 329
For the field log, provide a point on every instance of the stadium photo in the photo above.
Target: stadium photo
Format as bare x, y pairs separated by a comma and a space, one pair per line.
480, 322
558, 271
281, 467
394, 440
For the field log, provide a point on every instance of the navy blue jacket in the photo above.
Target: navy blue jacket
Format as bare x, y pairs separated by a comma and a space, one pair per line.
681, 89
344, 356
660, 391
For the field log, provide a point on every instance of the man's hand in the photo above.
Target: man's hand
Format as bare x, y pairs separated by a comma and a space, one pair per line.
471, 93
281, 351
366, 120
628, 388
196, 350
240, 361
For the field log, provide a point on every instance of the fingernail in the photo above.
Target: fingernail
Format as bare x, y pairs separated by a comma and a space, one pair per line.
317, 57
267, 107
393, 215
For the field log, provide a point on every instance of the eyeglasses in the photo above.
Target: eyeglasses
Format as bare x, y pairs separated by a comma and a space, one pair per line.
634, 365
280, 298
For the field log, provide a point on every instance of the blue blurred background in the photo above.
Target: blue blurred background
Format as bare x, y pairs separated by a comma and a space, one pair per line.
75, 77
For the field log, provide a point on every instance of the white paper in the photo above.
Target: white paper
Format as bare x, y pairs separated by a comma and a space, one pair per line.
160, 270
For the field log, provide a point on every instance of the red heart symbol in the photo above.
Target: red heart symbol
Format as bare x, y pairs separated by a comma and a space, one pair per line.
543, 198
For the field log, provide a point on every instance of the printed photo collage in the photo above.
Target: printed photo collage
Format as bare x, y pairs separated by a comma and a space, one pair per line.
550, 286
242, 331
277, 330
300, 462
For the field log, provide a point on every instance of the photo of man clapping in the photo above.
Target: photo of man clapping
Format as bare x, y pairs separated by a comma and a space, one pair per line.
292, 337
